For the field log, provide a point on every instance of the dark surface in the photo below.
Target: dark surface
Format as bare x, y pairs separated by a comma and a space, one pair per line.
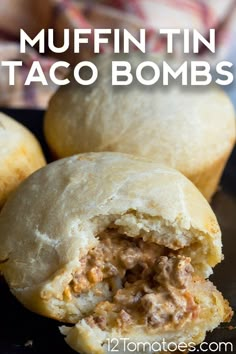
17, 325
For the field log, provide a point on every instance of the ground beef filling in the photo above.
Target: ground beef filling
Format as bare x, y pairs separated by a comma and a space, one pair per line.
116, 257
149, 284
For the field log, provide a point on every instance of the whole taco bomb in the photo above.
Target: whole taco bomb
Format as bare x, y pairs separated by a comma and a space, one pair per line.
20, 155
118, 245
189, 129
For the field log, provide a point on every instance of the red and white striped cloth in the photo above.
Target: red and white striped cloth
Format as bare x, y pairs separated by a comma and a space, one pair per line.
32, 16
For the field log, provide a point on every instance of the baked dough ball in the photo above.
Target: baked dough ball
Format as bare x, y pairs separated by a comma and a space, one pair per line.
20, 155
117, 244
191, 130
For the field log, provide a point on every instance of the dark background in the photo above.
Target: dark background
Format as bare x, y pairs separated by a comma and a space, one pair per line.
19, 326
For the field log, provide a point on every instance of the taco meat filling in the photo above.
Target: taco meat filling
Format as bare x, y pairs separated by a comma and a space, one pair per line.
149, 283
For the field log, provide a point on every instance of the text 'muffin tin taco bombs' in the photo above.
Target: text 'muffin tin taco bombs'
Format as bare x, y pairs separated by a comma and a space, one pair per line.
117, 245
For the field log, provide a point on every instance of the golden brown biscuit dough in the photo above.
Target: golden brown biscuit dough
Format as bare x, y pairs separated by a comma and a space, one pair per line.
20, 155
189, 129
